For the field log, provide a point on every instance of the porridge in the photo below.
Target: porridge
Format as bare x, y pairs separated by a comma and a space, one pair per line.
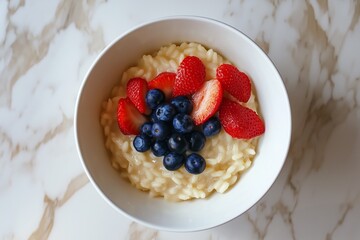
226, 154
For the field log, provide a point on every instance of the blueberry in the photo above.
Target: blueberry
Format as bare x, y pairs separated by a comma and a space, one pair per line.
211, 127
183, 123
160, 130
182, 104
146, 129
173, 161
153, 117
196, 140
142, 143
165, 112
195, 163
177, 143
154, 97
160, 148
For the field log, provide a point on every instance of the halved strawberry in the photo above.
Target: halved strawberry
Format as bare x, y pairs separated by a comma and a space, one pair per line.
240, 121
136, 90
206, 101
234, 82
165, 82
129, 118
190, 76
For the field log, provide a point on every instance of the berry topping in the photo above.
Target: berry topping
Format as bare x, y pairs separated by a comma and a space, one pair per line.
154, 97
195, 163
211, 127
196, 141
160, 148
173, 161
142, 143
165, 112
234, 82
146, 129
129, 118
206, 101
190, 76
182, 104
136, 90
165, 82
160, 130
239, 121
177, 143
179, 105
183, 123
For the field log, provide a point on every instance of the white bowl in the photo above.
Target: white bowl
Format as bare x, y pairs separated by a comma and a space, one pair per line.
198, 214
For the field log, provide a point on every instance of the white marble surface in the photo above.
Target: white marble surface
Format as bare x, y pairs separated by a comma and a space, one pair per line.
46, 48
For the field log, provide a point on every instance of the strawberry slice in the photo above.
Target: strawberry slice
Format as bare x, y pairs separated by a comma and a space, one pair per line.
136, 90
206, 101
240, 121
165, 82
129, 118
234, 82
190, 76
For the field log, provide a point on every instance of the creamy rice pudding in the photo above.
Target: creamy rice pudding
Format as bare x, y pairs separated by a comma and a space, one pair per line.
226, 157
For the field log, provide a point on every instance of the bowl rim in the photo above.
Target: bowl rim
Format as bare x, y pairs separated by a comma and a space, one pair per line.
111, 44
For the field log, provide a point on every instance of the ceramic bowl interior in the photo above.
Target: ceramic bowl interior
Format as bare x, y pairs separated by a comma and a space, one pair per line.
189, 215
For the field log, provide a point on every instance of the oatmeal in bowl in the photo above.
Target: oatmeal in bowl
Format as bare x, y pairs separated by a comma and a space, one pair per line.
167, 136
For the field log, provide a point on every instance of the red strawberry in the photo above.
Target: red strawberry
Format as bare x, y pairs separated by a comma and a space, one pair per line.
190, 76
136, 90
129, 118
206, 101
235, 82
165, 82
239, 121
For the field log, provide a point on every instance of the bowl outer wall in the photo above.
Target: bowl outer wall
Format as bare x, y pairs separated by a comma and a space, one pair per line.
196, 215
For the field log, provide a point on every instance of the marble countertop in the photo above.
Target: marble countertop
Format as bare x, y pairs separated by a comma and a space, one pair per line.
46, 48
